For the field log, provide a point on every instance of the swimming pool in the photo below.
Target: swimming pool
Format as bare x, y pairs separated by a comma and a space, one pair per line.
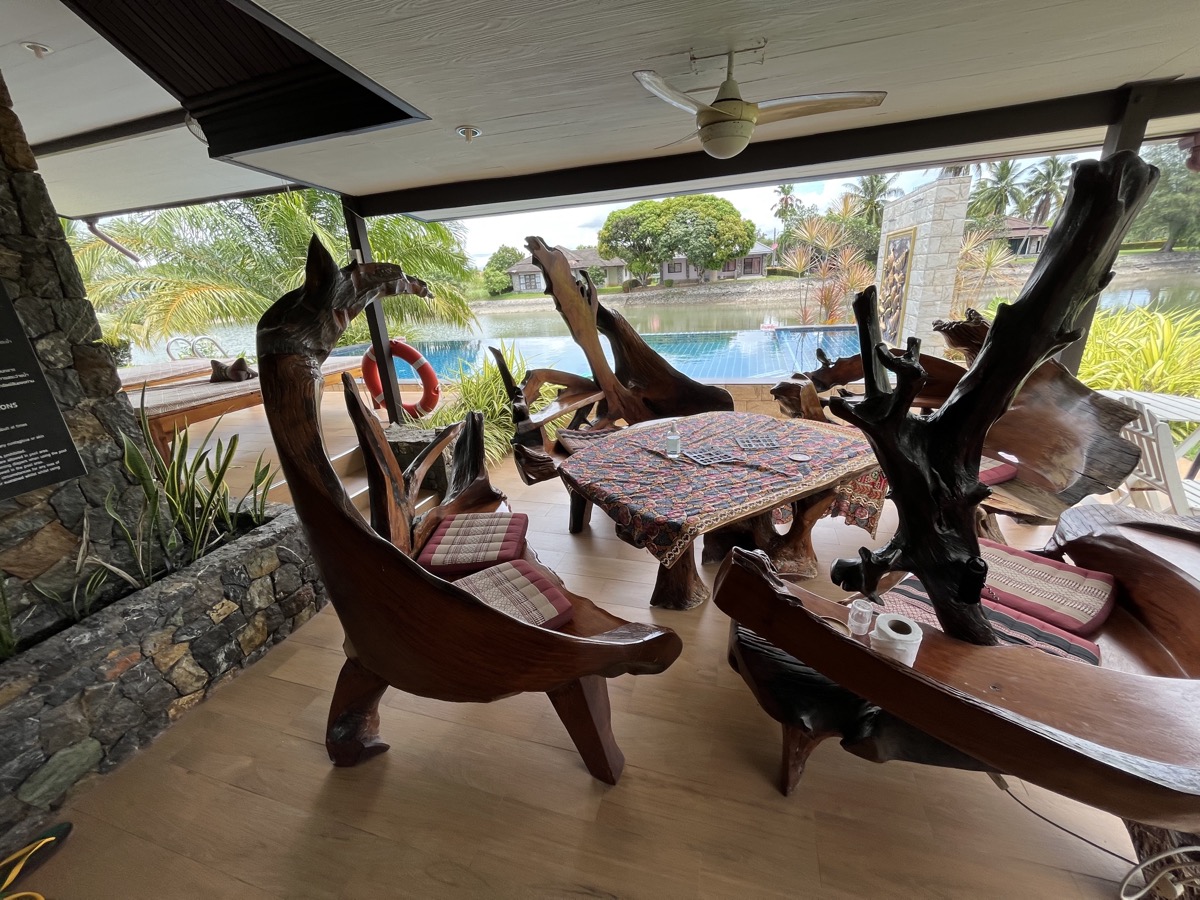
712, 356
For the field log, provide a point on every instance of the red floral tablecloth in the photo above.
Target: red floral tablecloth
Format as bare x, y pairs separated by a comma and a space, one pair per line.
664, 504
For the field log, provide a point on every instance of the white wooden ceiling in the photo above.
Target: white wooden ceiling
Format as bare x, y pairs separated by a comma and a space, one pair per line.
550, 85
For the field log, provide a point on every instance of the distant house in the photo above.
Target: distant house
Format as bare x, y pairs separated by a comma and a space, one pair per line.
752, 265
528, 277
1024, 238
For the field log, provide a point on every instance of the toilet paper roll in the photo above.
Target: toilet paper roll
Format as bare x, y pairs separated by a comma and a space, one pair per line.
897, 637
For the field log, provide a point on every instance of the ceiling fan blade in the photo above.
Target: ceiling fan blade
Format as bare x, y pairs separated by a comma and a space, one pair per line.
813, 104
682, 140
654, 83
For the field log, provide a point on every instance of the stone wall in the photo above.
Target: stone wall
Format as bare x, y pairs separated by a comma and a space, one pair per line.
40, 531
84, 700
938, 213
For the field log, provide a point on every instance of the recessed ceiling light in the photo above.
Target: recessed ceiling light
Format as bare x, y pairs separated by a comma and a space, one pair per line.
38, 50
467, 132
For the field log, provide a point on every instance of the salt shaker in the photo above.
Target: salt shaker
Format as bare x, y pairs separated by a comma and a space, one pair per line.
860, 616
672, 441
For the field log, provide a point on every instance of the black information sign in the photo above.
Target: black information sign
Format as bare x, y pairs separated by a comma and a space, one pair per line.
35, 446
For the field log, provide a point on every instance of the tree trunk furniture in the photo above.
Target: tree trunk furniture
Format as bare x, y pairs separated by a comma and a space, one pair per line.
642, 387
664, 504
932, 462
404, 627
1123, 736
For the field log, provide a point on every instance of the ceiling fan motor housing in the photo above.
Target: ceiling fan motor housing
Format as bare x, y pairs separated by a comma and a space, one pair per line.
726, 138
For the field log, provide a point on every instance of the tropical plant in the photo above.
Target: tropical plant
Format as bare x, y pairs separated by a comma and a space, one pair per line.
983, 259
1046, 188
822, 237
784, 208
226, 262
1137, 349
482, 389
497, 282
870, 192
857, 231
708, 230
838, 278
85, 587
997, 191
1172, 213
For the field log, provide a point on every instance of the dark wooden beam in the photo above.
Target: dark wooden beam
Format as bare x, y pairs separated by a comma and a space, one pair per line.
360, 245
163, 121
1081, 111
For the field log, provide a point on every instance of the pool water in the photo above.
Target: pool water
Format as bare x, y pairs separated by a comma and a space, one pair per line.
713, 356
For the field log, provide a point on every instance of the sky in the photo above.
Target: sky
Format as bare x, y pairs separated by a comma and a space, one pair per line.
578, 225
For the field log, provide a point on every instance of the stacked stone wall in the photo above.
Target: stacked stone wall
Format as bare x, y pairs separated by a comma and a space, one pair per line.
938, 212
41, 531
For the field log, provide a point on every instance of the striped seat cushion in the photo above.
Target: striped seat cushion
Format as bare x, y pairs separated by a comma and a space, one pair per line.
909, 598
521, 590
468, 542
996, 471
1073, 599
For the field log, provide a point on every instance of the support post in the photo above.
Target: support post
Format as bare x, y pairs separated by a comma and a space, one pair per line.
360, 246
1127, 133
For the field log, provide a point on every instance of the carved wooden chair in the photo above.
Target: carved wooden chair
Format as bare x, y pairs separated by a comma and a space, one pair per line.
1058, 442
1122, 735
642, 386
404, 626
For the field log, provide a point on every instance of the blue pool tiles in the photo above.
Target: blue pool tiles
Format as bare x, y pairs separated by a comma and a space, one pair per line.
717, 356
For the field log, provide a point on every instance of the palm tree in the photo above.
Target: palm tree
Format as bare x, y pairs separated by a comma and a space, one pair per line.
997, 190
225, 263
786, 203
1046, 186
870, 192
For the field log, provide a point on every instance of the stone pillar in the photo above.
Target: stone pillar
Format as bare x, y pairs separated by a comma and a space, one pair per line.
40, 531
920, 241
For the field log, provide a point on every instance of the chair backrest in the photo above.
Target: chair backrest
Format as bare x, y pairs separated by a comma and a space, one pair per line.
1157, 466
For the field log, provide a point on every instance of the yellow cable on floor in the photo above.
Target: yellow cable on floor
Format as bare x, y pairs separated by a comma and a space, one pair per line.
17, 861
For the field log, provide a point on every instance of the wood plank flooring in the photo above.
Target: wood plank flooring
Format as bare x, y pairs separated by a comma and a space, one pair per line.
238, 799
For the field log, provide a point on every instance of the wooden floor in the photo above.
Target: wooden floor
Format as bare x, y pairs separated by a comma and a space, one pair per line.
238, 799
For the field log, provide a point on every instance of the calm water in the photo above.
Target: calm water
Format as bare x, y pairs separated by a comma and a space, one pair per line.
712, 341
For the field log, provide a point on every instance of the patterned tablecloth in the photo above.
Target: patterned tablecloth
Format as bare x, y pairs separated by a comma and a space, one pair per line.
664, 504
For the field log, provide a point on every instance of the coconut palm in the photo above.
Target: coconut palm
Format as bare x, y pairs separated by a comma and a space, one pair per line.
225, 263
870, 192
1046, 186
997, 190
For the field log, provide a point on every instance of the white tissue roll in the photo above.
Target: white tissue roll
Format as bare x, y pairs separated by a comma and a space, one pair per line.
897, 637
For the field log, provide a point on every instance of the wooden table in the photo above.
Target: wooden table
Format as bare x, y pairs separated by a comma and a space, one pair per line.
1171, 408
664, 504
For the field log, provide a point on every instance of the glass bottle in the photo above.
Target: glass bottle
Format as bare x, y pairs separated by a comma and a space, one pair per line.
673, 441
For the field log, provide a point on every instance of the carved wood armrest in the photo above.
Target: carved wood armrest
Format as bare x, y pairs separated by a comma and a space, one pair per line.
415, 474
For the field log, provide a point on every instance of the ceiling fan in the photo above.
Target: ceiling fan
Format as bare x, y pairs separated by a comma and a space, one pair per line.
726, 125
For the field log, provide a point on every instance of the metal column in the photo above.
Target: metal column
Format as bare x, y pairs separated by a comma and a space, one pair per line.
360, 245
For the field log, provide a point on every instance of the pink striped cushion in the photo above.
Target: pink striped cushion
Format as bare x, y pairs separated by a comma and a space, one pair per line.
909, 598
520, 590
1074, 599
996, 471
468, 542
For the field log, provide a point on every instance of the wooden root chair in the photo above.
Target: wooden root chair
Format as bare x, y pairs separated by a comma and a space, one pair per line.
640, 387
1107, 713
404, 626
1058, 442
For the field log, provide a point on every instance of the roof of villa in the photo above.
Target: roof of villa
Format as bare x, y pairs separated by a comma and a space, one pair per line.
579, 259
1014, 227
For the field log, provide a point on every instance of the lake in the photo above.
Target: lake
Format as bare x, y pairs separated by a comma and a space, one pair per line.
729, 329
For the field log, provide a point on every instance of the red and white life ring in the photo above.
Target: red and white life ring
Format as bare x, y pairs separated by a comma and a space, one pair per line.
431, 392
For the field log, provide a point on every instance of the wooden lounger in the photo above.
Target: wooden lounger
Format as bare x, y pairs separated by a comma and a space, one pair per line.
134, 378
170, 408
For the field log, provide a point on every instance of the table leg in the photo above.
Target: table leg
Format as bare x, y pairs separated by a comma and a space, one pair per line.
679, 587
791, 553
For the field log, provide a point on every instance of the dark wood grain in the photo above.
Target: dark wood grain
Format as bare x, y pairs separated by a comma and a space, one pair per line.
403, 625
932, 462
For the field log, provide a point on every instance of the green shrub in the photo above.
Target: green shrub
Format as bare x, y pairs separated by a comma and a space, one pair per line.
481, 389
1137, 349
497, 282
